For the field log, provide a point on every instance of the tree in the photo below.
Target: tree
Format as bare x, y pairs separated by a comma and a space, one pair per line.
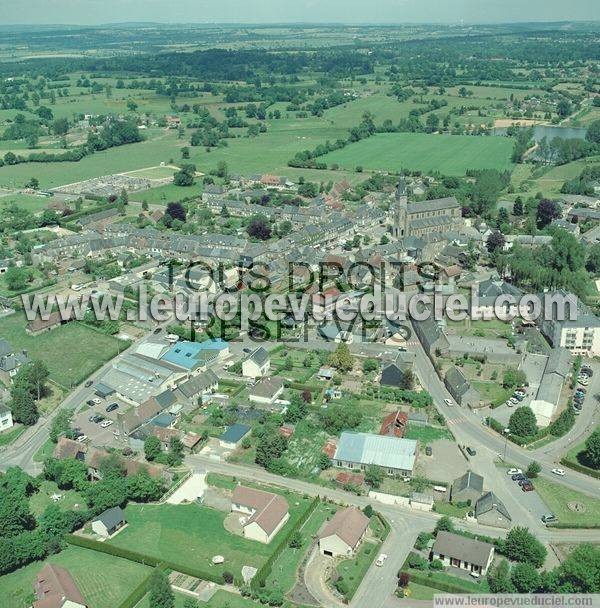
152, 447
522, 546
374, 475
495, 242
499, 578
144, 488
60, 127
563, 108
176, 211
533, 470
547, 210
259, 228
324, 462
37, 374
525, 578
270, 446
370, 365
61, 424
523, 422
518, 206
222, 170
444, 524
185, 152
580, 572
175, 455
591, 452
296, 540
190, 602
185, 176
513, 377
368, 511
341, 358
161, 595
16, 278
593, 132
22, 406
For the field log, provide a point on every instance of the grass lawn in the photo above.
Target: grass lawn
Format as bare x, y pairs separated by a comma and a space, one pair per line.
30, 202
446, 508
104, 580
42, 499
493, 392
44, 452
421, 592
558, 497
426, 434
576, 456
82, 349
441, 577
221, 599
353, 570
7, 437
283, 573
449, 154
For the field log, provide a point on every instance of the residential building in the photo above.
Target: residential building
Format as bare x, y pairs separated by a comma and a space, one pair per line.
359, 450
460, 388
69, 448
467, 488
109, 522
191, 390
257, 364
492, 294
54, 587
10, 361
393, 376
266, 391
343, 534
6, 419
268, 512
462, 552
234, 435
394, 424
490, 511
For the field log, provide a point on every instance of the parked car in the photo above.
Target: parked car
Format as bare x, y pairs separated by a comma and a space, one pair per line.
448, 402
514, 472
559, 472
158, 330
524, 481
428, 450
577, 406
88, 383
381, 559
510, 404
514, 400
576, 411
474, 574
97, 400
112, 407
471, 451
82, 438
518, 476
580, 389
549, 518
247, 350
106, 423
90, 402
527, 487
583, 382
97, 418
587, 370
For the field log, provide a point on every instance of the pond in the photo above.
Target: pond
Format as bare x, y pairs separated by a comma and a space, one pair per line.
550, 132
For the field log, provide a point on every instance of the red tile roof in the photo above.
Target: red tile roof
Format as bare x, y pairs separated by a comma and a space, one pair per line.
394, 424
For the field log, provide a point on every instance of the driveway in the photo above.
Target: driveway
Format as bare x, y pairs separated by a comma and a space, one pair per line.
316, 573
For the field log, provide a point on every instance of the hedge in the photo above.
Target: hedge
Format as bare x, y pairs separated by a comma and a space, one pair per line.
141, 558
572, 464
260, 578
385, 524
430, 581
137, 594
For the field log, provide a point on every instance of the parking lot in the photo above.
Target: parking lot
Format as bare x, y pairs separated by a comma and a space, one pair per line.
527, 500
96, 434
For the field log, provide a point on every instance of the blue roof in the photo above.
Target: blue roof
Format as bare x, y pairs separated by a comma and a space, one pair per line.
163, 420
235, 432
190, 355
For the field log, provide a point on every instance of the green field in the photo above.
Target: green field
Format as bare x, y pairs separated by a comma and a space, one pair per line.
221, 599
557, 498
104, 580
353, 570
82, 349
449, 154
426, 434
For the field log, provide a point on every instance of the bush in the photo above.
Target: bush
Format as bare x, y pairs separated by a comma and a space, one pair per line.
436, 564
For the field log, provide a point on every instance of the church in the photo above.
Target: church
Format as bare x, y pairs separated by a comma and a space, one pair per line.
419, 219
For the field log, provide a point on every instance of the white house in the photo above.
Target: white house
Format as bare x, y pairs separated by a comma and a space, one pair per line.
267, 512
257, 364
462, 552
266, 391
109, 522
344, 532
6, 419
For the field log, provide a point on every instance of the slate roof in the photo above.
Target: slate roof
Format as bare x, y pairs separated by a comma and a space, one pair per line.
468, 480
111, 518
347, 524
259, 356
198, 384
234, 433
392, 375
456, 381
463, 548
266, 388
489, 501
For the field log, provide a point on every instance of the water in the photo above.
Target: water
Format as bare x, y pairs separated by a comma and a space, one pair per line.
550, 132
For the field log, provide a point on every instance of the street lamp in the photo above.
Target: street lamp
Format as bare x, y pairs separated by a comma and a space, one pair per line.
506, 433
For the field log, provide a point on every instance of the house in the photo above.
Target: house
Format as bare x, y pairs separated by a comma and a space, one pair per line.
490, 294
266, 391
54, 587
325, 373
460, 388
197, 386
392, 375
268, 512
490, 511
69, 448
6, 419
10, 361
257, 364
343, 533
109, 522
431, 336
394, 424
462, 552
39, 325
359, 450
467, 488
233, 436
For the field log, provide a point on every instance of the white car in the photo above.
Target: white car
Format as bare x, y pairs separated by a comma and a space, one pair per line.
106, 424
514, 472
510, 404
97, 400
514, 400
559, 472
382, 557
116, 433
474, 574
448, 402
82, 438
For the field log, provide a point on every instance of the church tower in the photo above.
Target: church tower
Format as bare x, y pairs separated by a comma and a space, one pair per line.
400, 228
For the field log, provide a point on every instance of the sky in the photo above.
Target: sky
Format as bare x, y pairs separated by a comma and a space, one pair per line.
88, 12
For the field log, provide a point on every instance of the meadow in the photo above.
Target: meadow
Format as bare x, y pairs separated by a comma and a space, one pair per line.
449, 154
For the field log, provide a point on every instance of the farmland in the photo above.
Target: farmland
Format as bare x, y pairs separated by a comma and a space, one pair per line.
449, 154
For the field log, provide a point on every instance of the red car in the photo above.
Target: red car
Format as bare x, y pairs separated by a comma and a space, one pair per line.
527, 487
